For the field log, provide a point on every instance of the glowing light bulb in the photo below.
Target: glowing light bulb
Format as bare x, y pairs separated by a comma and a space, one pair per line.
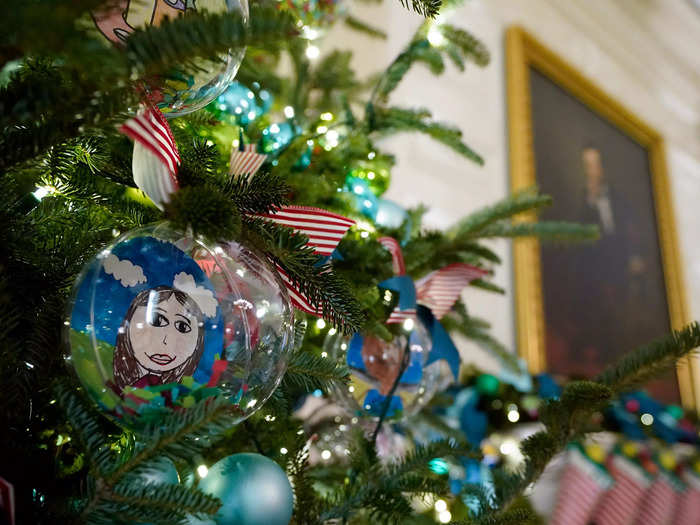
289, 112
320, 324
508, 447
312, 52
408, 325
440, 505
435, 37
326, 454
202, 471
445, 516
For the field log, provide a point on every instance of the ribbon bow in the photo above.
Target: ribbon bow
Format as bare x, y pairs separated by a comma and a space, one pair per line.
156, 160
155, 165
429, 298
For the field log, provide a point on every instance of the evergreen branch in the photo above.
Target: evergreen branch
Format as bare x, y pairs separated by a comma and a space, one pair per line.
307, 505
426, 8
487, 285
396, 71
525, 200
87, 426
547, 231
418, 460
511, 517
359, 25
333, 73
652, 360
179, 435
206, 210
393, 120
23, 27
477, 331
259, 193
204, 35
566, 417
469, 45
322, 288
160, 502
309, 372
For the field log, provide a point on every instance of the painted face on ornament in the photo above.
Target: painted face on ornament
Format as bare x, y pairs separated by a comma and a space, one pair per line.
122, 17
162, 335
382, 361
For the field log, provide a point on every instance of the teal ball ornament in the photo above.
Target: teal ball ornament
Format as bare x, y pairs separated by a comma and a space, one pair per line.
487, 384
254, 491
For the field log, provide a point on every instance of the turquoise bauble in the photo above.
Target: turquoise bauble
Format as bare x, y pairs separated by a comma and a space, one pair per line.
254, 491
389, 214
277, 136
487, 384
238, 103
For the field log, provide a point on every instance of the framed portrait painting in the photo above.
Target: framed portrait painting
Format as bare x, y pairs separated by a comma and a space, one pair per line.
580, 307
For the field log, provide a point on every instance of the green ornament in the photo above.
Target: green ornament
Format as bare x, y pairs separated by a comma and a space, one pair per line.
487, 384
675, 411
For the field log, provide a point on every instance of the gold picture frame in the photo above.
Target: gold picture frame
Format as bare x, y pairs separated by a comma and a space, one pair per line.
524, 52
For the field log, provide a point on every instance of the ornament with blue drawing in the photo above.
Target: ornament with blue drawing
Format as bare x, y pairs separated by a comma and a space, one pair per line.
375, 365
158, 323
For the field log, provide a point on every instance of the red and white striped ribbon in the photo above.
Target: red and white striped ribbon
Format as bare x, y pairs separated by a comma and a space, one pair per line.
247, 161
439, 290
155, 159
394, 248
399, 316
688, 508
391, 244
659, 502
324, 230
580, 487
620, 504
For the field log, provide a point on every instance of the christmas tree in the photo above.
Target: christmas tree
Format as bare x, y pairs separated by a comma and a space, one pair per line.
86, 158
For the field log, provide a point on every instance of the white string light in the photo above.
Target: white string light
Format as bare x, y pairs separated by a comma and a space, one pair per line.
312, 52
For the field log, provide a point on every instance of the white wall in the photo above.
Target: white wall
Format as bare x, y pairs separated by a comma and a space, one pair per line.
646, 53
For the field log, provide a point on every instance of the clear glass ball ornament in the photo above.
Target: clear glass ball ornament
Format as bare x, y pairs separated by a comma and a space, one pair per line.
161, 320
178, 92
375, 366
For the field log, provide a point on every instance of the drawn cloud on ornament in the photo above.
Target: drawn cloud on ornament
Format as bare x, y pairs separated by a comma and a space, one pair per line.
202, 296
124, 271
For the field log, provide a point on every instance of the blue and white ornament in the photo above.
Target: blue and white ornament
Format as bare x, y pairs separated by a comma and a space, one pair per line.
161, 320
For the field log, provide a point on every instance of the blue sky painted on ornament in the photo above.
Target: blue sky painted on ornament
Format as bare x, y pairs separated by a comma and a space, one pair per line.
160, 261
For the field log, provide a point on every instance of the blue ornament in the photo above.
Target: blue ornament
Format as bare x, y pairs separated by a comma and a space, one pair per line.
239, 102
304, 161
365, 200
277, 136
547, 387
264, 96
390, 215
254, 491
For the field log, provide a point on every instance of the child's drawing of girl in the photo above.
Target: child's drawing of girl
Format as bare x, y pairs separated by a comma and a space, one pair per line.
160, 340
